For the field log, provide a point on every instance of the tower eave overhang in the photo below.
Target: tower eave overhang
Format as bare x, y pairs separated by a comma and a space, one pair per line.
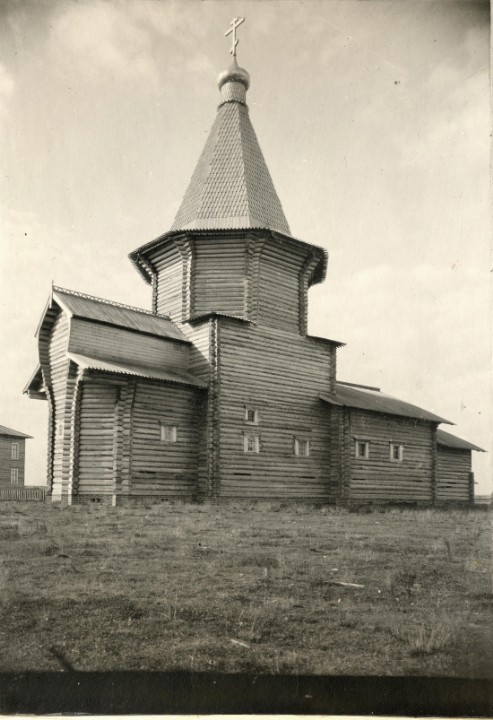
140, 256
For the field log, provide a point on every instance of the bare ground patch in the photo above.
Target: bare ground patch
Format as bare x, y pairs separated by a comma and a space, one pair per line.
251, 588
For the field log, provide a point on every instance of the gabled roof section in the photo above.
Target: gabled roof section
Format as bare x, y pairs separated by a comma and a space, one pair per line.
93, 308
35, 387
12, 433
447, 440
365, 398
231, 186
92, 363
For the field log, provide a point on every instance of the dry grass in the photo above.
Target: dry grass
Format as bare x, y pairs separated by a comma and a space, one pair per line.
247, 588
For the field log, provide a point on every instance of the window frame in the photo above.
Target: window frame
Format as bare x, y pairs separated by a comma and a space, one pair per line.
298, 443
400, 449
163, 428
256, 443
15, 451
366, 454
250, 409
14, 476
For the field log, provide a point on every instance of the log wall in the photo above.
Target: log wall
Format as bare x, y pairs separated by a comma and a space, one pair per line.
160, 468
378, 479
202, 364
44, 339
118, 344
58, 366
262, 279
279, 281
96, 456
280, 374
7, 463
218, 276
453, 475
169, 269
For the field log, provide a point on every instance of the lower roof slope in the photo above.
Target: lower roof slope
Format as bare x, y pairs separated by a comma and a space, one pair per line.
12, 433
445, 439
89, 307
123, 368
366, 398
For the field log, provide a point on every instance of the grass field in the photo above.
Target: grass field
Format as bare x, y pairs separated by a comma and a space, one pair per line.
250, 588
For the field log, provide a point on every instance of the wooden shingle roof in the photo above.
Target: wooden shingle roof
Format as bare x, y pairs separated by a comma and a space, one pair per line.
366, 398
141, 371
111, 313
231, 186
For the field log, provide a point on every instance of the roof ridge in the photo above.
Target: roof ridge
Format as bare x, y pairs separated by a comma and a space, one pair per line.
113, 303
358, 385
10, 432
245, 126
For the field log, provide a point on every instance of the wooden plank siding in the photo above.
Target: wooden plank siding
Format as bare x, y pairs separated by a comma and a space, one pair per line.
22, 494
7, 463
119, 344
453, 475
165, 468
280, 374
379, 479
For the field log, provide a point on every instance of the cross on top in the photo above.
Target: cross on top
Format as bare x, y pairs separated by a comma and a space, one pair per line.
235, 23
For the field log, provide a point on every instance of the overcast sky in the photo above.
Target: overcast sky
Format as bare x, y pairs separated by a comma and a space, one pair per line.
374, 120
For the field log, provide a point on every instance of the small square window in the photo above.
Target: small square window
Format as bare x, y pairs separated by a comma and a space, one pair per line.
14, 476
169, 433
15, 451
301, 447
362, 449
396, 452
251, 443
251, 416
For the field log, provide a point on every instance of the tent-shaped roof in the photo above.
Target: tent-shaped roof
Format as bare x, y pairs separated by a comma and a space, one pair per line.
367, 398
12, 433
445, 439
231, 186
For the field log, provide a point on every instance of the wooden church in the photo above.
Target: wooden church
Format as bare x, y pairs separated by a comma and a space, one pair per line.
218, 391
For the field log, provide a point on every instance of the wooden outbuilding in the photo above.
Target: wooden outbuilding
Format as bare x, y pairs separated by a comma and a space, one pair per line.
219, 391
12, 457
455, 479
386, 447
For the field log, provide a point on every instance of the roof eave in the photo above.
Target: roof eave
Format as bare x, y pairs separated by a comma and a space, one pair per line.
468, 446
435, 419
139, 257
48, 307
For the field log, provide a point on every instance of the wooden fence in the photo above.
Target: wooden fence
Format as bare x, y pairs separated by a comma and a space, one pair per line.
22, 493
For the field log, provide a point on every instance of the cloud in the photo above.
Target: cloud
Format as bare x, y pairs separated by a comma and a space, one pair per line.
103, 37
182, 21
421, 333
455, 100
7, 86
